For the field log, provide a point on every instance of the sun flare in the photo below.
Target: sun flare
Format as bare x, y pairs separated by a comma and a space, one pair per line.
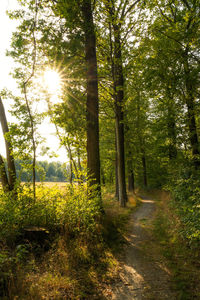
52, 81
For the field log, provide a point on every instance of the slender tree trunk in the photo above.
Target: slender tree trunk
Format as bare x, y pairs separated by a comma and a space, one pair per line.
171, 126
10, 159
171, 135
79, 167
103, 177
31, 117
71, 172
79, 160
72, 162
3, 176
116, 173
190, 102
119, 102
131, 181
93, 157
32, 125
131, 178
114, 93
67, 148
141, 142
144, 167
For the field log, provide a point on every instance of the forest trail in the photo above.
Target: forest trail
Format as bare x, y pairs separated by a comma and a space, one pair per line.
143, 272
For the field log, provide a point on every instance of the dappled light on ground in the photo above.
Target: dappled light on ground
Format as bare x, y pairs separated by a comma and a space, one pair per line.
142, 276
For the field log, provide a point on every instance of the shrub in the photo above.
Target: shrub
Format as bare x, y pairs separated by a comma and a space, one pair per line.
75, 208
185, 190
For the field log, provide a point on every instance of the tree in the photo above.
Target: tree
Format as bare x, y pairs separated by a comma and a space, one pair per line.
93, 158
3, 176
24, 51
9, 153
179, 25
78, 16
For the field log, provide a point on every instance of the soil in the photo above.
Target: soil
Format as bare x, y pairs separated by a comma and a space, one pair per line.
144, 274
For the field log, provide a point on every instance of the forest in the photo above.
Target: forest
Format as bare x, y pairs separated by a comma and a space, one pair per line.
45, 171
120, 82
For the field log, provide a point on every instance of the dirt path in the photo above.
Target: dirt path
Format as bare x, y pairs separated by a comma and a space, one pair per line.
143, 276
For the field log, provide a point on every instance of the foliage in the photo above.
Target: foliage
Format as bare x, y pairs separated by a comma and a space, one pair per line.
45, 171
185, 189
157, 43
75, 209
82, 256
182, 261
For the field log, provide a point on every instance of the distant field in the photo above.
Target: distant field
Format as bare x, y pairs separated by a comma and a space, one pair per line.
51, 184
48, 184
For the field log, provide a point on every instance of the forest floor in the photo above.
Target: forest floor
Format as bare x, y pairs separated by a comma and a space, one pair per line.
143, 273
139, 255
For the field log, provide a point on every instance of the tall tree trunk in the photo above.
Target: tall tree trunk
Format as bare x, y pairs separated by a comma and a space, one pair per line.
114, 93
3, 176
10, 159
141, 141
93, 157
171, 135
131, 181
131, 178
171, 126
144, 166
32, 127
28, 106
118, 88
190, 102
116, 171
119, 102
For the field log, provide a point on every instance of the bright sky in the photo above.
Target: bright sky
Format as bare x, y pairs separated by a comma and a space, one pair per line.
47, 130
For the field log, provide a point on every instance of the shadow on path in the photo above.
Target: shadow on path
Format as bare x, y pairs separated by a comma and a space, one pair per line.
142, 277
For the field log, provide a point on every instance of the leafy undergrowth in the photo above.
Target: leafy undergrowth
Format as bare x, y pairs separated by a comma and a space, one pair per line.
68, 251
183, 258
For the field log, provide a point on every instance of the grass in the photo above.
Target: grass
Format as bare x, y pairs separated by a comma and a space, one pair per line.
182, 260
72, 267
116, 219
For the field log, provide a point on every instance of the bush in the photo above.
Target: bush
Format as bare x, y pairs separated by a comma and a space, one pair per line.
75, 208
81, 211
185, 191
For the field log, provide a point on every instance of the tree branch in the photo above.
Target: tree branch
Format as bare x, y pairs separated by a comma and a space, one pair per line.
124, 14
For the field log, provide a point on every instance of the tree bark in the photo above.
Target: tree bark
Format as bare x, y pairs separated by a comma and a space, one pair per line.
71, 171
10, 159
131, 181
131, 178
80, 175
116, 171
171, 125
171, 134
114, 91
72, 162
144, 166
93, 157
118, 88
141, 141
190, 102
119, 101
3, 176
